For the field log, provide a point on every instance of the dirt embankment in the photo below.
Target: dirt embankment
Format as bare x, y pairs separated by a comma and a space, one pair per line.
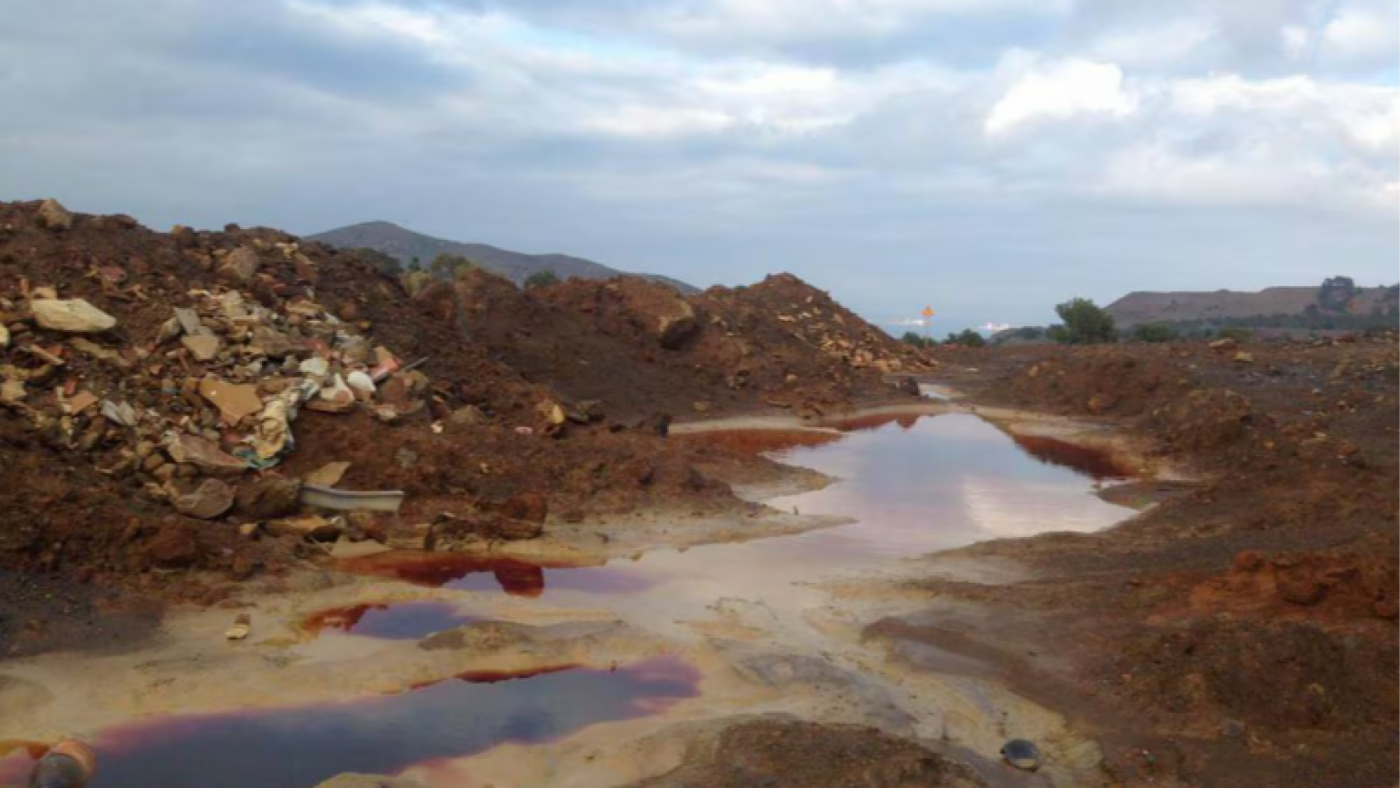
1243, 633
165, 395
639, 346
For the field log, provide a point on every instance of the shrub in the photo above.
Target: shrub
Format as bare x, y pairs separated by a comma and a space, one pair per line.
1085, 323
967, 338
543, 278
1153, 332
447, 266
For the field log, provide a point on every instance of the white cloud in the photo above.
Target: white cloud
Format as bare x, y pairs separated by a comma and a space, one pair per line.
836, 137
1060, 91
1362, 33
1297, 41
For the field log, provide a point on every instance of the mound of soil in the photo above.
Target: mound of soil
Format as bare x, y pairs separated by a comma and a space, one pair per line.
795, 754
165, 392
637, 346
1245, 631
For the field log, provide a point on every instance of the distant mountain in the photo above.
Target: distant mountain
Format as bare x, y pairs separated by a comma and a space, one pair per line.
1337, 300
404, 245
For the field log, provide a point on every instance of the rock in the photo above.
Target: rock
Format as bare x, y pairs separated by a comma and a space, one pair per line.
1300, 586
552, 412
344, 548
510, 530
80, 402
360, 381
676, 325
174, 546
4, 336
315, 367
1231, 729
1021, 754
74, 316
250, 531
328, 475
313, 527
1247, 561
54, 216
242, 626
119, 413
272, 343
12, 391
203, 455
189, 322
206, 500
203, 347
234, 401
530, 507
467, 415
268, 498
700, 406
421, 536
239, 266
658, 424
1223, 344
1244, 358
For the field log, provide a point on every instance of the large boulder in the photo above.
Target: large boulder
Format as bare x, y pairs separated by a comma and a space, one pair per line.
239, 266
54, 216
73, 316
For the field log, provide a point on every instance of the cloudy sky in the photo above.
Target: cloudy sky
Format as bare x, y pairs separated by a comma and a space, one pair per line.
991, 157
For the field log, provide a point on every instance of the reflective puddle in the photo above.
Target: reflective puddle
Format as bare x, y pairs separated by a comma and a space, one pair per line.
475, 573
300, 747
396, 621
914, 485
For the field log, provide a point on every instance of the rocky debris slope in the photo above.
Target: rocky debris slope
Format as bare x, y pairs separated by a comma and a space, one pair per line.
192, 383
636, 346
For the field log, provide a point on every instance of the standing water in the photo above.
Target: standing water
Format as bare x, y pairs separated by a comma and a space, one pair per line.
911, 484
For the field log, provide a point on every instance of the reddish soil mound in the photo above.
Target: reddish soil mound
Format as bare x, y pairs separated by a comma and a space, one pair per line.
637, 346
149, 376
1257, 613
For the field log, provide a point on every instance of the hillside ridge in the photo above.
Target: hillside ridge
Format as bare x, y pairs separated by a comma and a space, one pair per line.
404, 245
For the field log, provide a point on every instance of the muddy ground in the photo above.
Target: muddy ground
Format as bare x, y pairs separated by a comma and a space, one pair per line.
1241, 632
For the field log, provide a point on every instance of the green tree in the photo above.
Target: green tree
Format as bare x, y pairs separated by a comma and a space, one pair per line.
916, 339
1085, 323
967, 338
446, 266
415, 264
543, 278
1153, 332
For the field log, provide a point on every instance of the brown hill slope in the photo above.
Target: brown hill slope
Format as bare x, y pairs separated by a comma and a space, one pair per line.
136, 437
1192, 306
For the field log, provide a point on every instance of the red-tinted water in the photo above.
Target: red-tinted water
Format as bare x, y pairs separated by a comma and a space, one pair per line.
1093, 462
300, 747
397, 621
477, 573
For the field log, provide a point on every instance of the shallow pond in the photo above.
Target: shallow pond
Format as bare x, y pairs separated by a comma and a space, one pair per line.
302, 746
912, 484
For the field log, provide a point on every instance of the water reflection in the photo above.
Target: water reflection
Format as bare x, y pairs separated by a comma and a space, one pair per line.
397, 621
914, 487
477, 573
299, 747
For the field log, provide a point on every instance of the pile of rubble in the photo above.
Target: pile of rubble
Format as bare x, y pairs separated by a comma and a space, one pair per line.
206, 402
